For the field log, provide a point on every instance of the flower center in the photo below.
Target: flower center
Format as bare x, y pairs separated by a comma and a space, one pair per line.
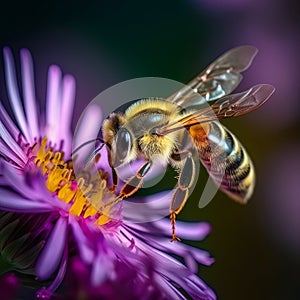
87, 193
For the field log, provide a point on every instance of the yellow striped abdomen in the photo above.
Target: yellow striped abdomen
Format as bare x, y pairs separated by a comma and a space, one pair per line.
225, 159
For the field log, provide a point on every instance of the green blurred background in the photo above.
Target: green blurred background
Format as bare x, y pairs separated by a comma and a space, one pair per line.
257, 247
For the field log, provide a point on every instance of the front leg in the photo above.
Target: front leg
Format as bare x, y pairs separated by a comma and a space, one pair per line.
132, 185
135, 182
180, 196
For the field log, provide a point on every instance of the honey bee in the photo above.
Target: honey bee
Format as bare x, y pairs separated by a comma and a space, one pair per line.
156, 130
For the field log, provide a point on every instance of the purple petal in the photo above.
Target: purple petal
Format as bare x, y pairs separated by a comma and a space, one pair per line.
8, 123
13, 91
17, 180
68, 99
169, 269
53, 109
29, 92
30, 185
87, 129
51, 255
167, 288
180, 249
166, 266
186, 230
147, 209
193, 231
191, 262
11, 143
87, 254
100, 270
61, 272
11, 201
200, 256
38, 187
165, 245
10, 154
197, 287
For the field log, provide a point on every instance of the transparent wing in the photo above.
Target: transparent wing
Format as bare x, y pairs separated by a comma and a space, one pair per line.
228, 106
219, 79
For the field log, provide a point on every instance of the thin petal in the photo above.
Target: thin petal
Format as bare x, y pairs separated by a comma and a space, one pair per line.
10, 154
11, 143
167, 288
99, 270
168, 269
16, 180
87, 254
197, 289
53, 109
186, 230
10, 201
51, 255
88, 129
201, 256
192, 230
29, 92
147, 209
68, 99
191, 262
8, 123
13, 91
179, 249
62, 271
30, 186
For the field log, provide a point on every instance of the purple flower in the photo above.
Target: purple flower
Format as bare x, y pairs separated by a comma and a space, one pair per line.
110, 256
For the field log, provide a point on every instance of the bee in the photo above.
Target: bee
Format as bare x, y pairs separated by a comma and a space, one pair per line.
156, 130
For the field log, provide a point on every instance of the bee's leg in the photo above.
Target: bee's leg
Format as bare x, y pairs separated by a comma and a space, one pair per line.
135, 182
113, 171
180, 196
114, 180
132, 185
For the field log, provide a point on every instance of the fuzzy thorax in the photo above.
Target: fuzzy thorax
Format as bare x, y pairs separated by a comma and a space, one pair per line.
160, 147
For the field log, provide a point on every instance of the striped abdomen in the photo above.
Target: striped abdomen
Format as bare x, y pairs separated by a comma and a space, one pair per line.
225, 159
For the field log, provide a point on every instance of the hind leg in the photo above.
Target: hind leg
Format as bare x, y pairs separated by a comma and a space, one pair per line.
185, 181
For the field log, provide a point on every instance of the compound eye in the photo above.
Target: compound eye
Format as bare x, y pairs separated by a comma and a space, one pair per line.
121, 147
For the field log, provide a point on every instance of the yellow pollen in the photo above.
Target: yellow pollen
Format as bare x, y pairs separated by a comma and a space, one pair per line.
85, 196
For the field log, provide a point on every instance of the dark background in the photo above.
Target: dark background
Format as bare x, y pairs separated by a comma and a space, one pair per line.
257, 247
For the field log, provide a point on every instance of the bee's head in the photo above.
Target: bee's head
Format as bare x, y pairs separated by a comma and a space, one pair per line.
120, 139
121, 148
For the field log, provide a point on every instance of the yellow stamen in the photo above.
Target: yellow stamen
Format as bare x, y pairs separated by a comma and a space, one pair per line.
84, 194
104, 218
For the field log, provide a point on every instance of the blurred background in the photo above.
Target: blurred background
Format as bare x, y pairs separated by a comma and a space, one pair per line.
257, 246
